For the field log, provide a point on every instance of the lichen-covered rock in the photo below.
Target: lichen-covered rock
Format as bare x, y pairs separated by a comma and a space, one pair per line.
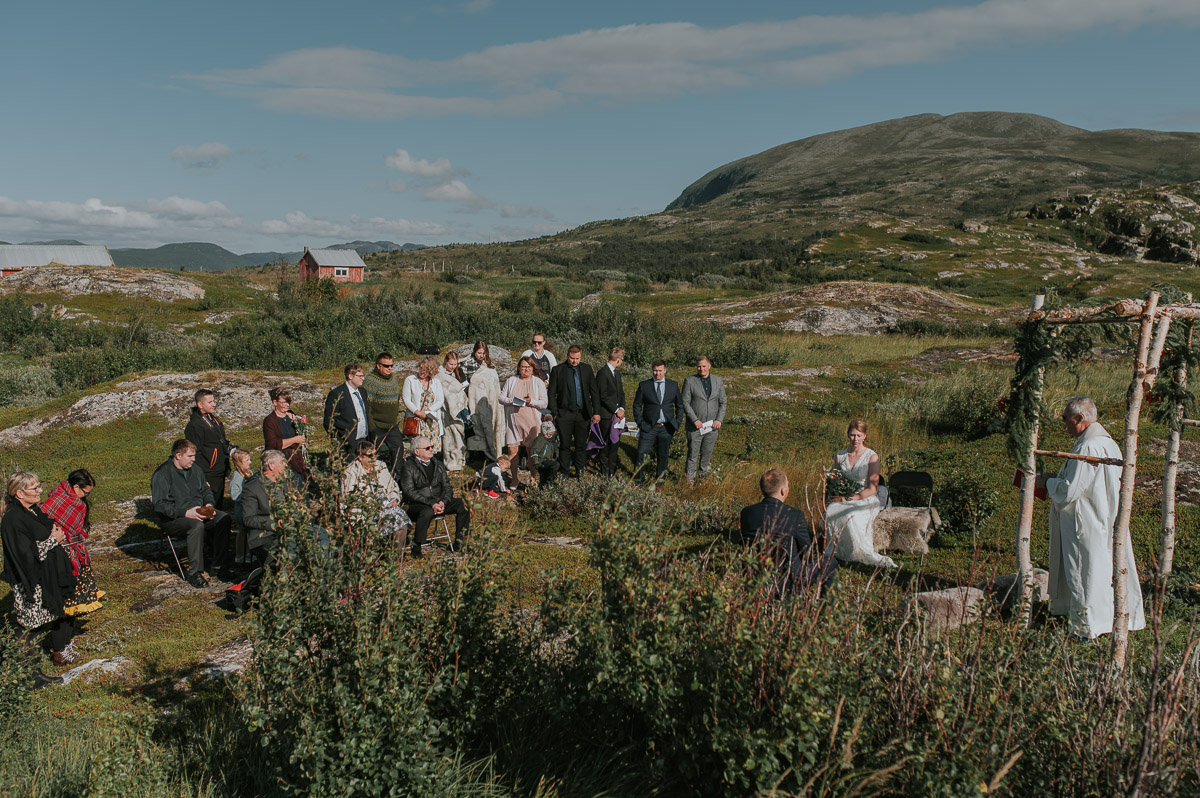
950, 608
76, 280
1003, 589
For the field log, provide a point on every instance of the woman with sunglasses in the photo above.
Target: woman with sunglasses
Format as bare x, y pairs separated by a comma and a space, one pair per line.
37, 566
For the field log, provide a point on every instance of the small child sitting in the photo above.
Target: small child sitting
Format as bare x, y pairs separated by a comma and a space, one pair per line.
492, 478
543, 454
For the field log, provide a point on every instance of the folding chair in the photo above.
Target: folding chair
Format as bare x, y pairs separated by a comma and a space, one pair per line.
909, 481
444, 534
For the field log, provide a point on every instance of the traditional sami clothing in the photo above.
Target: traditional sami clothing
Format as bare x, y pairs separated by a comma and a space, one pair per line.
70, 512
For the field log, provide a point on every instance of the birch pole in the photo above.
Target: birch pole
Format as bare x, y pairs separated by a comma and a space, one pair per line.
1133, 409
1028, 483
1166, 542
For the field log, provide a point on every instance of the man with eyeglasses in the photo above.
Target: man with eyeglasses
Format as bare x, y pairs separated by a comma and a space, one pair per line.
542, 356
426, 488
346, 418
382, 388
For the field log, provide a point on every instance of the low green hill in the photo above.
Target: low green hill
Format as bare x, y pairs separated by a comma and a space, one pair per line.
192, 256
942, 168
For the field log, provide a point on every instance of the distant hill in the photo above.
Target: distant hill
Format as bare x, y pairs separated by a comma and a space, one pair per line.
58, 242
192, 256
361, 247
943, 167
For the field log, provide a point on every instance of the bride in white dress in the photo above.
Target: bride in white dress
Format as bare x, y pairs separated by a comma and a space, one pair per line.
848, 518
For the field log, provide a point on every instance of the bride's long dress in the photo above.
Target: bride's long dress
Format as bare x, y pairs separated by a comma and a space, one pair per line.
849, 523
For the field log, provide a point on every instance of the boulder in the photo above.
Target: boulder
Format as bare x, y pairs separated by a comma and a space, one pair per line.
950, 608
973, 227
1003, 590
906, 529
70, 281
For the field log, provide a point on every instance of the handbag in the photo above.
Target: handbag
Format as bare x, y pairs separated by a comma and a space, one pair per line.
412, 426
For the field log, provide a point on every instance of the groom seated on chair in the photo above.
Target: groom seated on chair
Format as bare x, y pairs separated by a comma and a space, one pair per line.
426, 488
182, 495
783, 532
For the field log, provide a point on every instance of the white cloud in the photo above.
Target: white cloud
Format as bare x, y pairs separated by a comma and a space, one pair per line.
640, 62
524, 212
298, 223
401, 161
174, 218
206, 157
457, 191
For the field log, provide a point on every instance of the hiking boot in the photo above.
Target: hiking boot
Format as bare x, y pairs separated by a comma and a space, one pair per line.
67, 656
197, 581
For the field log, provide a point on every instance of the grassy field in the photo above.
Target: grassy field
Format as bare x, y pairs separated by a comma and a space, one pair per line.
792, 415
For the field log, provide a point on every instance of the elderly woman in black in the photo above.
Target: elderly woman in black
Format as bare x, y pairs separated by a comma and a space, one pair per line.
37, 566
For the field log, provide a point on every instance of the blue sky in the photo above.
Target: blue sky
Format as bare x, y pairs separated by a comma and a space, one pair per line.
269, 126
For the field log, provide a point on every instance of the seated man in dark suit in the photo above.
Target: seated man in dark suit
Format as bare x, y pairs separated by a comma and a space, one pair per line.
658, 410
182, 495
426, 488
259, 495
782, 530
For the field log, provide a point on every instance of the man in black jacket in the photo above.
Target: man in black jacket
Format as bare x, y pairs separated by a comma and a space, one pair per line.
611, 393
575, 406
426, 488
783, 532
213, 448
346, 416
180, 493
658, 410
259, 495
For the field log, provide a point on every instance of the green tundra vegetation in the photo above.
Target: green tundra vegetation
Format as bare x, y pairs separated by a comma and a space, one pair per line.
601, 640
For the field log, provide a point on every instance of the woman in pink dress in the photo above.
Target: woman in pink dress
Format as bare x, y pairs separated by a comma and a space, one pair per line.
524, 398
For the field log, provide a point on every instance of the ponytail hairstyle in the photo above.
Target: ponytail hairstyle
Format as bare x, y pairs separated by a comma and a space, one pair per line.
81, 478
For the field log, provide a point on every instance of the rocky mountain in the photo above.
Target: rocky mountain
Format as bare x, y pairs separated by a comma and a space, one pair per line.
942, 168
191, 256
361, 247
58, 242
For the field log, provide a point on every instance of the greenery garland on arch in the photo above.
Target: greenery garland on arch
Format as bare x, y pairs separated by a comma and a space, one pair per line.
1041, 343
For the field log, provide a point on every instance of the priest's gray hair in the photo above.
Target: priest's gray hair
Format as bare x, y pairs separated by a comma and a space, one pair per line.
1080, 406
271, 456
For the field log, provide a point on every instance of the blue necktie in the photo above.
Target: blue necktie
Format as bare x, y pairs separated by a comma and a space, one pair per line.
578, 388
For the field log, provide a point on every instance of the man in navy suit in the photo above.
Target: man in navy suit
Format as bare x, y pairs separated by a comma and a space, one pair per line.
346, 418
783, 533
658, 409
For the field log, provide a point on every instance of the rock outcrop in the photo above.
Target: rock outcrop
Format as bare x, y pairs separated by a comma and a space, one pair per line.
950, 608
71, 281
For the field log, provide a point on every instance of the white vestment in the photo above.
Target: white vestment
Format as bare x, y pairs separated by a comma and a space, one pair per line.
1083, 512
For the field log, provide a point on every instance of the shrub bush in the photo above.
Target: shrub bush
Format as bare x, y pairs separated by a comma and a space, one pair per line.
962, 403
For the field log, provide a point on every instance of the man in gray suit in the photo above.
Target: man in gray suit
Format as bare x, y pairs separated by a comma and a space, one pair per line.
704, 403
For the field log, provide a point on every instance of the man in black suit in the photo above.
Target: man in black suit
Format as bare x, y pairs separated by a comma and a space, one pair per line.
611, 393
207, 432
783, 532
658, 409
574, 403
346, 418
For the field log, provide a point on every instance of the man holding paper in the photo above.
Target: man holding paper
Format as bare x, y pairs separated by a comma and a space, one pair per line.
704, 403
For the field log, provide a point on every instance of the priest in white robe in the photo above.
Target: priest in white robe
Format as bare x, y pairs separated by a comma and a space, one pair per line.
1083, 512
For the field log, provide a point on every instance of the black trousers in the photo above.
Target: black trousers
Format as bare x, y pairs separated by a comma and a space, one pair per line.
394, 438
216, 482
422, 515
214, 532
61, 630
607, 459
572, 441
657, 437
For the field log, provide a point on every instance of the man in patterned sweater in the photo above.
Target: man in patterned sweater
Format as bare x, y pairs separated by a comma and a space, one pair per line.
382, 388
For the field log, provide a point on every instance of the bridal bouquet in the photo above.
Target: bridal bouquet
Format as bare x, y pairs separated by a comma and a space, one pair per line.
838, 484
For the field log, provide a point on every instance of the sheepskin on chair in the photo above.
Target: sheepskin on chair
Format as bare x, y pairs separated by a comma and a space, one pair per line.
905, 529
